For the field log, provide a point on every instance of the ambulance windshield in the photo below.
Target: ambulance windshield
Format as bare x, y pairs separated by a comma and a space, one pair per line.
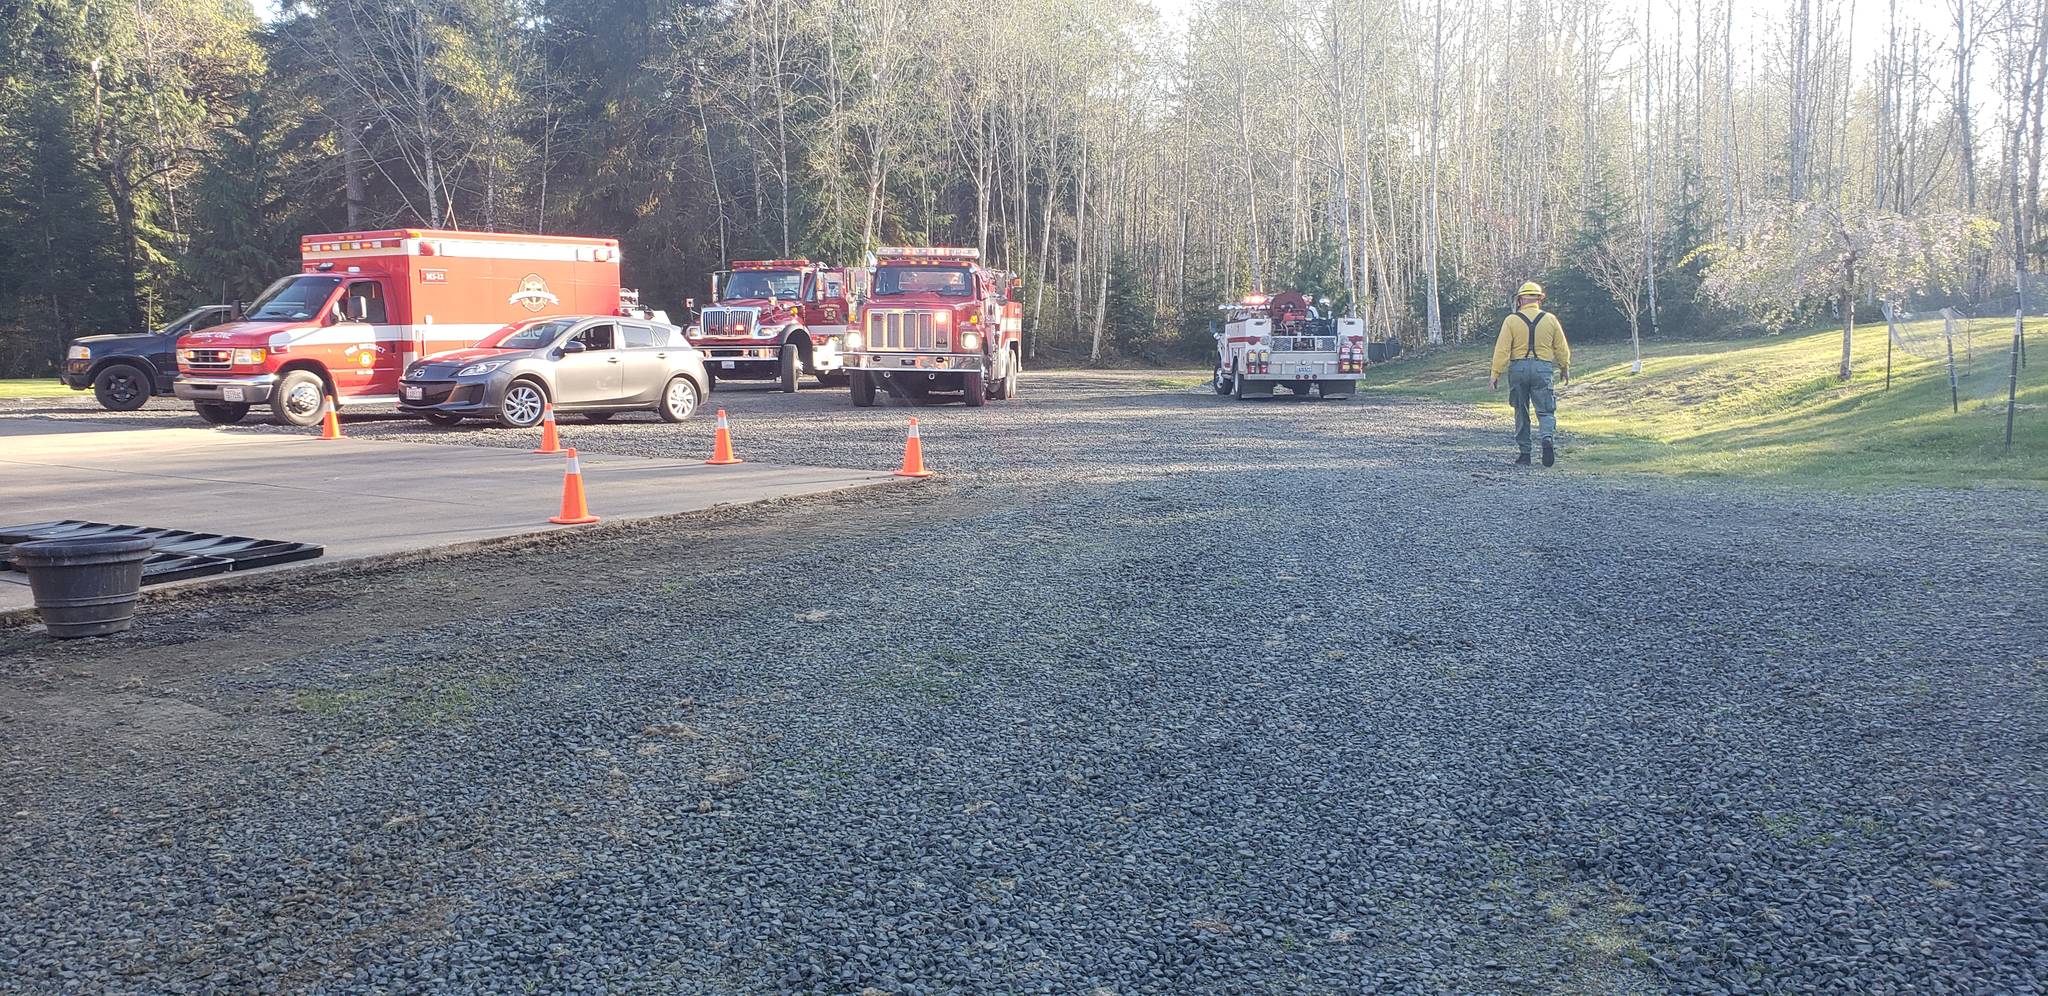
759, 284
945, 281
293, 298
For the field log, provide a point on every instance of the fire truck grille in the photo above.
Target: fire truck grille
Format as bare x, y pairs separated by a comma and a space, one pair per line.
902, 331
208, 359
722, 323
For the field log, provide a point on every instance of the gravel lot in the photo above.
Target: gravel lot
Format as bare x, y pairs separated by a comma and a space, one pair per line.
1149, 692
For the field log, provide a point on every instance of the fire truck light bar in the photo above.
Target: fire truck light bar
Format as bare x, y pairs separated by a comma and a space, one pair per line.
909, 252
769, 264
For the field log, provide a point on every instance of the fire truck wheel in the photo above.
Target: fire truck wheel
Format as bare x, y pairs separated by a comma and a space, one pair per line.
297, 400
221, 412
121, 387
524, 402
974, 390
792, 369
863, 389
442, 419
678, 400
1224, 381
1006, 389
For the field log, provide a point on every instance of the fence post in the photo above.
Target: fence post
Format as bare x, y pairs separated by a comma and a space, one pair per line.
2012, 375
1948, 332
1891, 335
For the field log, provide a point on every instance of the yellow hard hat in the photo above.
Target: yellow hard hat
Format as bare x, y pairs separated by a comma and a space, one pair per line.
1531, 289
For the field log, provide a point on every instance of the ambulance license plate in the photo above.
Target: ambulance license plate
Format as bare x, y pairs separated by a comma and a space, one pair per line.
725, 364
414, 393
231, 394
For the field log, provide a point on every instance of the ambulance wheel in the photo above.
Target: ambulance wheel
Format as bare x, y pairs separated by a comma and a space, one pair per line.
792, 369
442, 419
220, 412
974, 389
1223, 380
297, 400
863, 388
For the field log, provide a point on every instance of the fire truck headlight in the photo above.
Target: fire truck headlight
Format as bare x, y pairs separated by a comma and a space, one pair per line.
247, 357
79, 352
969, 340
854, 341
479, 369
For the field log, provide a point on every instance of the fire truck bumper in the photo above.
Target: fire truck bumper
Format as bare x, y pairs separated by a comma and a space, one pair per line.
762, 359
885, 363
253, 390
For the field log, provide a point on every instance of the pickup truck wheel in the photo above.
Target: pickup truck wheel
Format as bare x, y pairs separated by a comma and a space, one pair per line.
442, 419
792, 369
297, 399
121, 387
863, 388
524, 402
220, 412
678, 400
974, 390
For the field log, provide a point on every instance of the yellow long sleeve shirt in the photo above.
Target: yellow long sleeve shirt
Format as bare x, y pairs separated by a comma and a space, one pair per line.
1513, 343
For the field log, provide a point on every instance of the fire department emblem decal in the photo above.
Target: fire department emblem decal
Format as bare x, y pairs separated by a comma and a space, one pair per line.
533, 293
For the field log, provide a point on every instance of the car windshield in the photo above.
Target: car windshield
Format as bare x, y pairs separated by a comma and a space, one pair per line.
528, 335
945, 281
294, 298
763, 284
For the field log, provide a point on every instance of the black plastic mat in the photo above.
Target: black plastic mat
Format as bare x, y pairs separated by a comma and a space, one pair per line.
178, 554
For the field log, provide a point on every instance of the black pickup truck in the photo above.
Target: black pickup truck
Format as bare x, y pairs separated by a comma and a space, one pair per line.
124, 370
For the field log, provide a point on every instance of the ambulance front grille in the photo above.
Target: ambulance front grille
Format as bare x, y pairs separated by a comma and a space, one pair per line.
903, 331
208, 359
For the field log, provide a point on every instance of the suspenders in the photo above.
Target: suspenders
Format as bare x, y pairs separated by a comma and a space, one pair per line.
1532, 323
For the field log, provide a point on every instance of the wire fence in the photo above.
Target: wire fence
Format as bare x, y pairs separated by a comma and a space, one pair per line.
1979, 354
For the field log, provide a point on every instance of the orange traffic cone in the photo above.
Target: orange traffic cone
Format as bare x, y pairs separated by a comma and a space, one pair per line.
330, 422
575, 509
913, 455
549, 442
721, 443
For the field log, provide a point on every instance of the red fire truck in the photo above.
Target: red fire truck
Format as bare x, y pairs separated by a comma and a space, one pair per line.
936, 320
1280, 340
366, 304
774, 319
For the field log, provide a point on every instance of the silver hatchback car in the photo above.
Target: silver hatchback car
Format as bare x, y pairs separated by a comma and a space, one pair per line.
596, 366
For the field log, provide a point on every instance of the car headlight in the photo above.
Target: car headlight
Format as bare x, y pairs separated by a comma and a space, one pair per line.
855, 340
247, 357
79, 352
970, 340
479, 369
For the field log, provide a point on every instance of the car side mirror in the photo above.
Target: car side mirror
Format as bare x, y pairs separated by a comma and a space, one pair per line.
574, 346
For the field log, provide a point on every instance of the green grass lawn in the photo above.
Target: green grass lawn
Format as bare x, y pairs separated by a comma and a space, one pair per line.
33, 387
1771, 408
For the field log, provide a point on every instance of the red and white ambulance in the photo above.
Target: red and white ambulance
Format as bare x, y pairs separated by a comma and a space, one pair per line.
366, 304
775, 319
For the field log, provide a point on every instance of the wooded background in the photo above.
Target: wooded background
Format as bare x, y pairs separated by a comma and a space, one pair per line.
1689, 167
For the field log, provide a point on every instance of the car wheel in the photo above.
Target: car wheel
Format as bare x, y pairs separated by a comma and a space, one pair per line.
442, 419
220, 412
121, 388
792, 369
297, 399
863, 388
678, 400
974, 389
598, 418
524, 402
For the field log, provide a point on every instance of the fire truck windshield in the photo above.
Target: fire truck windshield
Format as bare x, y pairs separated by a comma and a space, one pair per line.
945, 281
528, 335
763, 284
293, 298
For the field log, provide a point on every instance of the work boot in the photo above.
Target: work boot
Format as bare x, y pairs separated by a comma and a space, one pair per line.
1549, 454
1522, 461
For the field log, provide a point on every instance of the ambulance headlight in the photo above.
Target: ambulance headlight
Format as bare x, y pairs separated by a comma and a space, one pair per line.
247, 357
479, 369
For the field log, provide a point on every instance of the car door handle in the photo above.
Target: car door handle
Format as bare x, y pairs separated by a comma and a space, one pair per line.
613, 360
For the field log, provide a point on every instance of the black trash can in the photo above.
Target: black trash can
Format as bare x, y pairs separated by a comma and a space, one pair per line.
86, 586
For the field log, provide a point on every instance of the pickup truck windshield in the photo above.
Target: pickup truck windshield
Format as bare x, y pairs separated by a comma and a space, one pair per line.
293, 298
528, 335
946, 281
762, 284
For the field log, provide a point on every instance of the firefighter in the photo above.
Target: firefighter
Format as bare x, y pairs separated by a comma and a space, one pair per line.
1530, 349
